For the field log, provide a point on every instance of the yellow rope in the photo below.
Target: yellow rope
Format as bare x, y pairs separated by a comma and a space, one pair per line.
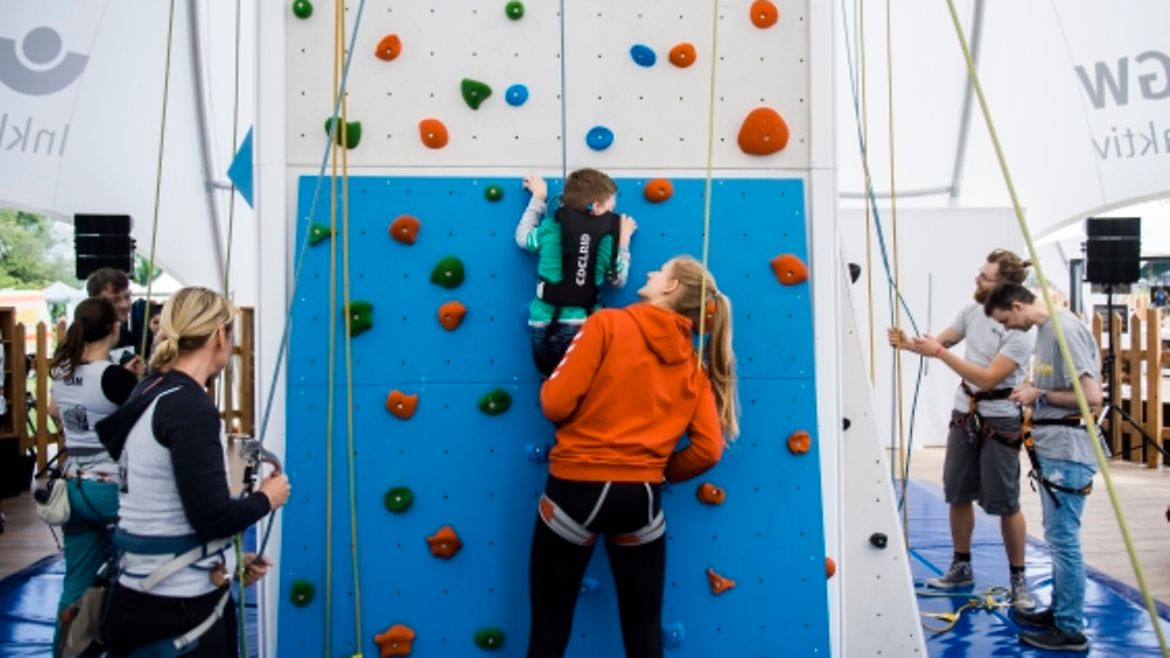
868, 209
162, 135
227, 265
330, 394
1066, 355
353, 501
707, 183
897, 272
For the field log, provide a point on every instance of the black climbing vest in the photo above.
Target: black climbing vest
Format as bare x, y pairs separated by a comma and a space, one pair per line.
581, 236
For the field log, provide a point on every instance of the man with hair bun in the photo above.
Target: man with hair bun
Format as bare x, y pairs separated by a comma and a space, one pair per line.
983, 449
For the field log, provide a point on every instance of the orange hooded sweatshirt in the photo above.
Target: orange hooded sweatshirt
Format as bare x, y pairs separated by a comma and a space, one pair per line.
627, 389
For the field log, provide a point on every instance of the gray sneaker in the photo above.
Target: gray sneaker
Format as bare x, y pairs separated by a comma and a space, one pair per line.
959, 575
1021, 597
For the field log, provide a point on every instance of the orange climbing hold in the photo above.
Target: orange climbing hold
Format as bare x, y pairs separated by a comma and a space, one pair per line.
682, 55
719, 584
799, 442
433, 133
395, 641
401, 405
711, 494
830, 568
658, 190
404, 229
763, 132
451, 315
389, 48
764, 14
445, 543
789, 269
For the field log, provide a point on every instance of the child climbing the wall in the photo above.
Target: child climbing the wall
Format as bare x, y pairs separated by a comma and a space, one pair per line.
627, 389
583, 244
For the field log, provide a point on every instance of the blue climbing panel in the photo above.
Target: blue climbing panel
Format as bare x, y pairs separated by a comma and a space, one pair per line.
473, 472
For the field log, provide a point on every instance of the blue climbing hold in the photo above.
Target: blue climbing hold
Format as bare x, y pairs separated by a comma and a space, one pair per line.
673, 635
599, 138
643, 55
589, 585
537, 452
516, 95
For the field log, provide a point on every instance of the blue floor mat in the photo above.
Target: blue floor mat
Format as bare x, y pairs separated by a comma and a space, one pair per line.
28, 600
1117, 621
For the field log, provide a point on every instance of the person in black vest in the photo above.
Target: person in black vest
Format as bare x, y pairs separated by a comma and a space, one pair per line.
87, 387
583, 245
177, 514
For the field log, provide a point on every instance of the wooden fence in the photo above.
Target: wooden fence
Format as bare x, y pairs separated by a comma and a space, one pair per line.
1136, 373
35, 428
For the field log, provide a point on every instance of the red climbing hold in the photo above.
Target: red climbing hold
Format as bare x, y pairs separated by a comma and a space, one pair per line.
400, 404
395, 641
764, 14
763, 132
433, 133
389, 48
799, 442
789, 269
445, 543
719, 584
682, 55
451, 315
658, 190
711, 494
830, 568
404, 229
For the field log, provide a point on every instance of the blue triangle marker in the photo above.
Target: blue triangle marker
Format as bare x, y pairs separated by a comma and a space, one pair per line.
240, 171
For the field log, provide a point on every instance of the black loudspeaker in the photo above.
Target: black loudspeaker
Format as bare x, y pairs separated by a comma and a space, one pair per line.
102, 241
1113, 250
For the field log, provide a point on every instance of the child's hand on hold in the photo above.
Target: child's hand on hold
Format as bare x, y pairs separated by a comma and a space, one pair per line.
537, 186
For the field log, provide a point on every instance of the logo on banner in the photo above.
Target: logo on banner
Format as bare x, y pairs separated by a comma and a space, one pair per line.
1130, 81
42, 67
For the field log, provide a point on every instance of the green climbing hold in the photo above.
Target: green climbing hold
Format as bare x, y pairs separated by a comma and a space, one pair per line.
352, 136
319, 232
304, 8
514, 10
493, 193
301, 593
489, 638
448, 273
496, 402
398, 499
474, 92
361, 317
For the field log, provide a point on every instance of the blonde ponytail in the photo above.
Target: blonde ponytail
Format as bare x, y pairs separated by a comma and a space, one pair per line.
697, 284
189, 318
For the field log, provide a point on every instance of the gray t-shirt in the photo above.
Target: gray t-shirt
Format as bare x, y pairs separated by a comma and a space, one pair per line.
986, 339
1049, 373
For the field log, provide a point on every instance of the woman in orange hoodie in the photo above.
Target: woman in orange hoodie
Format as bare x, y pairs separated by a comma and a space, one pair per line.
627, 389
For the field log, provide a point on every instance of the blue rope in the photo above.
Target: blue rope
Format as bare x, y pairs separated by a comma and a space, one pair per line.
282, 350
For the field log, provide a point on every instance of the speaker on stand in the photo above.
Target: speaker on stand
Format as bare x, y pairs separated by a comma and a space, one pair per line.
102, 241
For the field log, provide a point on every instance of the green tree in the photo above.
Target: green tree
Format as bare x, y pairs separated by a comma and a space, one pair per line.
27, 261
144, 271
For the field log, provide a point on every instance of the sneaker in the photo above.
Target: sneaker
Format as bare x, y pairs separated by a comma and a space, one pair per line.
1021, 597
959, 575
1055, 639
1042, 619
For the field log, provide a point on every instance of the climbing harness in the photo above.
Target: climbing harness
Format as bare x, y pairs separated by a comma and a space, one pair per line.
974, 422
991, 600
568, 529
1037, 474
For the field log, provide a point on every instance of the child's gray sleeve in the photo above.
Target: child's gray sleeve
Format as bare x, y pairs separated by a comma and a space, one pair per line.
526, 229
621, 268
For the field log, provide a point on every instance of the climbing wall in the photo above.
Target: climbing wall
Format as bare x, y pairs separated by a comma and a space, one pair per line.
467, 453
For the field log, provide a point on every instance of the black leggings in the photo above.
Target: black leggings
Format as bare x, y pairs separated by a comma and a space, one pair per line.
135, 619
558, 565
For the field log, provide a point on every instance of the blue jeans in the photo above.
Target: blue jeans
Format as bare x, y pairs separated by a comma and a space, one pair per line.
1062, 530
549, 347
